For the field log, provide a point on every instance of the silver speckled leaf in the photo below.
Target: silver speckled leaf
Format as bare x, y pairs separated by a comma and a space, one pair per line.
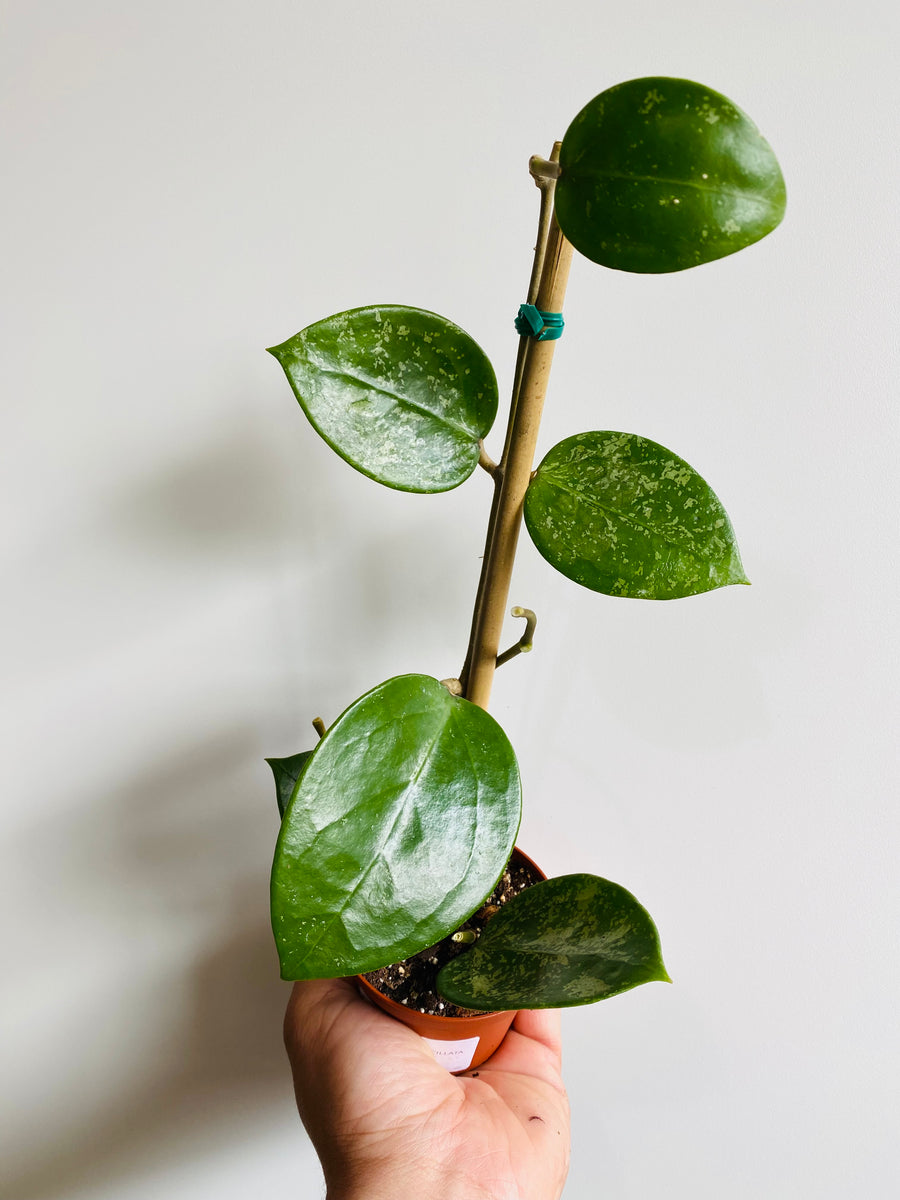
400, 824
625, 516
570, 940
401, 394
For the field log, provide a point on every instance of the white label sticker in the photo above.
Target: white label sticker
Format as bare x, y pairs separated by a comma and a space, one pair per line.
455, 1056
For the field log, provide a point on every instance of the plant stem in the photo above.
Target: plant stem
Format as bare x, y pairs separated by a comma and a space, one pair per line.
553, 256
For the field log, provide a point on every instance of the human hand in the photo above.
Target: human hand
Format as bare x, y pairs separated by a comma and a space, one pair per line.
388, 1122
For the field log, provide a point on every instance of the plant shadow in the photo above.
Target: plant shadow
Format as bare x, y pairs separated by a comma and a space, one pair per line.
190, 838
165, 874
180, 852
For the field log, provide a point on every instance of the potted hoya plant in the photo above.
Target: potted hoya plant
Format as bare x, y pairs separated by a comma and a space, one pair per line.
396, 857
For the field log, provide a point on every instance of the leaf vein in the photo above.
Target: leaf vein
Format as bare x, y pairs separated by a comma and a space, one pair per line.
626, 518
719, 190
402, 401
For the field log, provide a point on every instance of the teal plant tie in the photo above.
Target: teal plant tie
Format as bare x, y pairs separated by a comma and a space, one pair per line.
544, 326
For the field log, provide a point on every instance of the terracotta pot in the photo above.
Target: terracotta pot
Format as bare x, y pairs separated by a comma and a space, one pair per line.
458, 1043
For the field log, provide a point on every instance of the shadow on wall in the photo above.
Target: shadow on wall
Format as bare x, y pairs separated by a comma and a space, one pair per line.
350, 565
171, 1050
185, 848
245, 491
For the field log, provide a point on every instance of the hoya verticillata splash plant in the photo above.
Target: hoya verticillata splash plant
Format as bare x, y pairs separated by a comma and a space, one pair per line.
398, 825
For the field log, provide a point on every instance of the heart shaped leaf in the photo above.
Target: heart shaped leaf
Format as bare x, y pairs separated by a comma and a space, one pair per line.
624, 516
402, 394
401, 824
287, 771
566, 941
663, 174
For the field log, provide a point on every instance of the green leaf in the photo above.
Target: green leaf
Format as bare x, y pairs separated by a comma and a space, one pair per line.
663, 174
287, 771
401, 824
566, 941
624, 516
402, 394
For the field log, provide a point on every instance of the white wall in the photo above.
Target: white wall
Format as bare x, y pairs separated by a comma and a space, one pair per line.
190, 575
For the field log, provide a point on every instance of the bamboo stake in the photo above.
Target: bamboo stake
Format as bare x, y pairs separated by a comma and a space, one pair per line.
513, 472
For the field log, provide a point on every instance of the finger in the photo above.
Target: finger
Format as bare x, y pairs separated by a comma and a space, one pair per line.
310, 995
315, 1008
542, 1025
532, 1047
327, 1022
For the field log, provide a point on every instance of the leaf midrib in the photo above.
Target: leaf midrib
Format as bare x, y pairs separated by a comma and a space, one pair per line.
403, 401
379, 853
576, 956
625, 518
736, 193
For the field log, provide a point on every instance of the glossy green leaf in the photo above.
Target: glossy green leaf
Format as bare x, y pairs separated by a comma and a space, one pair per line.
401, 824
566, 941
402, 394
663, 174
287, 771
624, 516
